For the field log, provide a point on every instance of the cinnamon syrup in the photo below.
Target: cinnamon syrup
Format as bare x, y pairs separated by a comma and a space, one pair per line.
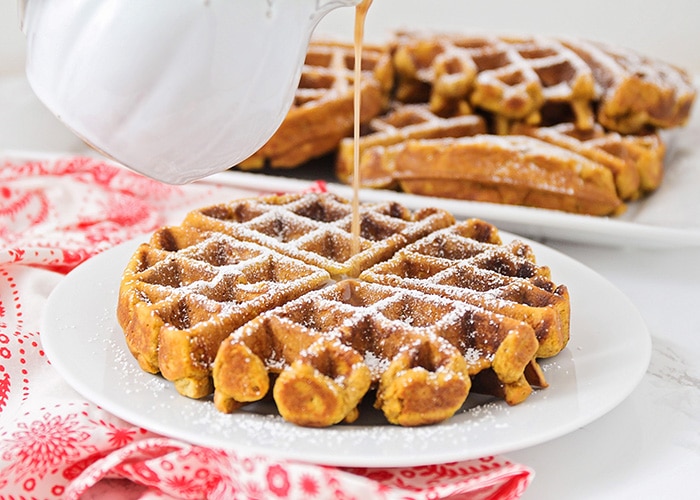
360, 15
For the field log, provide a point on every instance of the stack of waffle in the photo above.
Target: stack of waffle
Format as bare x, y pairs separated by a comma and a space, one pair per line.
264, 296
554, 123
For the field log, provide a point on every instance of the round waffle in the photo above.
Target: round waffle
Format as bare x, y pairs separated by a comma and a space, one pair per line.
261, 297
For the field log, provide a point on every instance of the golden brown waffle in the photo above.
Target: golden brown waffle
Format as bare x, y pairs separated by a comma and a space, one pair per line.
636, 161
636, 92
184, 291
238, 297
526, 79
323, 111
515, 170
385, 135
316, 228
468, 262
351, 335
513, 78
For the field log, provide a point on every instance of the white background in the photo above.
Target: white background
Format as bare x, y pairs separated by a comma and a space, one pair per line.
667, 29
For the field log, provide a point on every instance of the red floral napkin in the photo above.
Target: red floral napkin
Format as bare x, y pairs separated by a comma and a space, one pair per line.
54, 214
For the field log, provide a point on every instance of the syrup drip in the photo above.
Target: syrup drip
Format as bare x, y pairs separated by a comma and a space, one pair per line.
360, 15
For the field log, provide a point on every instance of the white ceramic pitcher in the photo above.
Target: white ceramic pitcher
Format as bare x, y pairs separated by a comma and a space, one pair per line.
174, 89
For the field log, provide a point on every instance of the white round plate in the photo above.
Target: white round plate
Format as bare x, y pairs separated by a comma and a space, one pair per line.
607, 356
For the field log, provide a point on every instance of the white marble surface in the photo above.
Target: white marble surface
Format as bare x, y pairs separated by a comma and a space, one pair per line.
647, 447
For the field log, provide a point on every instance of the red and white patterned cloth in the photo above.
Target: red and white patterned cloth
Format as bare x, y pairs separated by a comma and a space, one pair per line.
54, 214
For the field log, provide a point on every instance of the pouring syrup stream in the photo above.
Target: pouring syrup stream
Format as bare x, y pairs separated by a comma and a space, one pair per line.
359, 31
